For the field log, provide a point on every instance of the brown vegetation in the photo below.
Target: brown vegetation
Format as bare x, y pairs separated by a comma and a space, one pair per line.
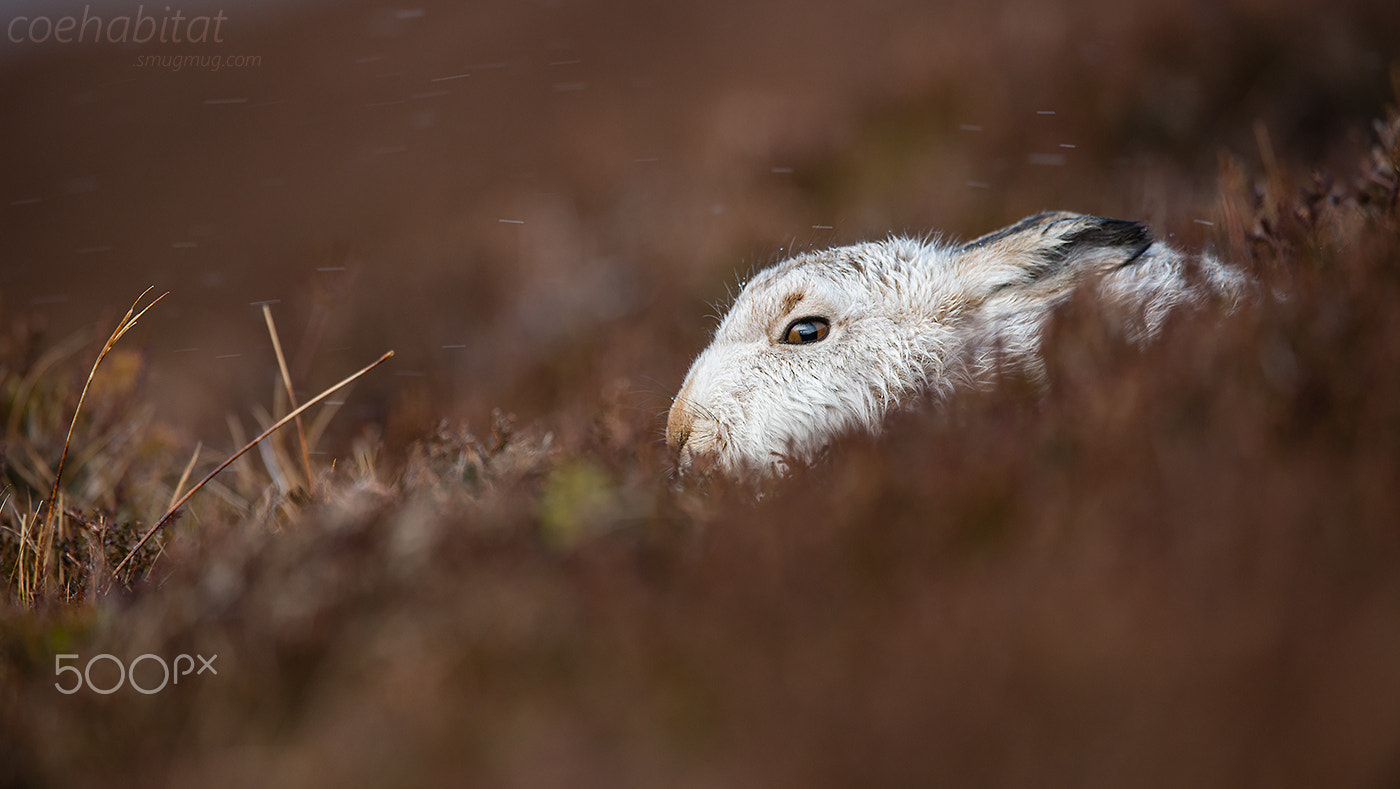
1176, 566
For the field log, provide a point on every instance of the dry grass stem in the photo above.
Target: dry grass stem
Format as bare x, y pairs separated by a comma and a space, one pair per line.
46, 522
185, 476
116, 571
291, 397
46, 361
323, 418
127, 321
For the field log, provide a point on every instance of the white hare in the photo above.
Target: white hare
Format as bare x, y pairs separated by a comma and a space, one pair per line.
829, 342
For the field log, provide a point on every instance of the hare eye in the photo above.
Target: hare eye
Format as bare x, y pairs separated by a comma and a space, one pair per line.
805, 330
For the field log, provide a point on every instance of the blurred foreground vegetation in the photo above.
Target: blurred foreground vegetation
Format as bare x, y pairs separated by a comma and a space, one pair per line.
1176, 566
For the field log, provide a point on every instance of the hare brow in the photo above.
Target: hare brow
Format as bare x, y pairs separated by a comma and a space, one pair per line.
791, 300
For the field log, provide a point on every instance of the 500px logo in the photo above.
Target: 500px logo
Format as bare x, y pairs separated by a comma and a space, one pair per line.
127, 673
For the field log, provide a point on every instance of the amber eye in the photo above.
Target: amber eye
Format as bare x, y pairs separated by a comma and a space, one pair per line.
805, 330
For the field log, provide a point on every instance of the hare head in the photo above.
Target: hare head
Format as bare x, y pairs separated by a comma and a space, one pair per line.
830, 342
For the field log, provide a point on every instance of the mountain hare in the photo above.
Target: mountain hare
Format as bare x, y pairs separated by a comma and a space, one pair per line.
831, 341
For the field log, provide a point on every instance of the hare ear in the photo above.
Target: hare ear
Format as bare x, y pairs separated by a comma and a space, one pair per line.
1055, 246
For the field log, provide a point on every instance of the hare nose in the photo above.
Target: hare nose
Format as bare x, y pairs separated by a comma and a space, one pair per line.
679, 425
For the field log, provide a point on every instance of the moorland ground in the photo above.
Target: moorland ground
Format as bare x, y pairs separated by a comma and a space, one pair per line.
1172, 566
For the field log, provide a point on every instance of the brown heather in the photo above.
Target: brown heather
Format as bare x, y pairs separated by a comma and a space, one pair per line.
1178, 566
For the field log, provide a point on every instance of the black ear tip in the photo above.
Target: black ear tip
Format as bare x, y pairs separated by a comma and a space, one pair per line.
1115, 233
1092, 233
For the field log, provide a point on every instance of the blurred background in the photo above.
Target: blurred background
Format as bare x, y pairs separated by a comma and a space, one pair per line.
532, 202
1175, 566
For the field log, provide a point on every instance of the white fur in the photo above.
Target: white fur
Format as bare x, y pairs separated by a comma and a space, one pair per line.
907, 319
